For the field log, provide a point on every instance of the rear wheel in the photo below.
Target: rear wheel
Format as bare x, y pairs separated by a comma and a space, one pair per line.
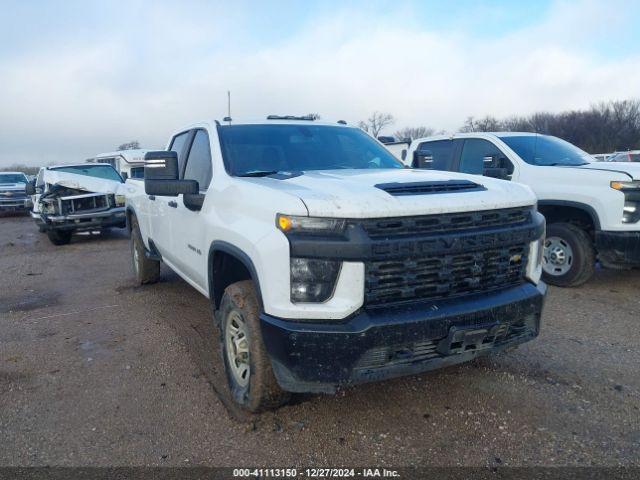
144, 269
569, 257
59, 237
248, 368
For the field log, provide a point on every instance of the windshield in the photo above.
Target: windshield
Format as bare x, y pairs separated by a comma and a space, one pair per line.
99, 171
13, 178
256, 149
545, 150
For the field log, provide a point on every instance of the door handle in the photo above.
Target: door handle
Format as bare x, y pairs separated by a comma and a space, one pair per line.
173, 204
152, 197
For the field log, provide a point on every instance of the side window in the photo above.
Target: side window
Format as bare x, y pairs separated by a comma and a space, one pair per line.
436, 155
177, 145
481, 157
199, 161
137, 172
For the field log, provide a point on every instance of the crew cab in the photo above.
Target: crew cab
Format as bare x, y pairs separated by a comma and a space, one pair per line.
327, 262
592, 208
73, 198
13, 195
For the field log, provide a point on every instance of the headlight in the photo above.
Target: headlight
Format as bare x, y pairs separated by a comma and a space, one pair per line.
319, 225
120, 200
534, 263
634, 185
48, 208
313, 280
631, 191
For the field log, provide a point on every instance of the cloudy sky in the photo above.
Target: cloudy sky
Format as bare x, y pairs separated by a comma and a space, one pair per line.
78, 77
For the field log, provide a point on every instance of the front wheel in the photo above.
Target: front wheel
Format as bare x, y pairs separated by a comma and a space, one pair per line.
251, 380
569, 257
144, 269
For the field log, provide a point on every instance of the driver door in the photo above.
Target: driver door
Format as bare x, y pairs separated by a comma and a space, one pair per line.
162, 209
187, 227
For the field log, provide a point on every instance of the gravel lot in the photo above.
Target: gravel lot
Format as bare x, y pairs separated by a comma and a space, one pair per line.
96, 371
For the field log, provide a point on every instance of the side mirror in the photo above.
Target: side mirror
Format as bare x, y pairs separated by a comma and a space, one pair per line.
162, 165
124, 176
500, 173
30, 188
162, 176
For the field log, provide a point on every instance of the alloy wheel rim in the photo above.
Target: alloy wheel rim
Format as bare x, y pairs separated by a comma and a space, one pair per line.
557, 258
237, 348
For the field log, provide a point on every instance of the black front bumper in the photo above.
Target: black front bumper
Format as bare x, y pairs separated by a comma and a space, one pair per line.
618, 249
375, 345
87, 222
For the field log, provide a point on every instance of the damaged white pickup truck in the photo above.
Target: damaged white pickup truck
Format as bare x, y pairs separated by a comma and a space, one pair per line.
71, 198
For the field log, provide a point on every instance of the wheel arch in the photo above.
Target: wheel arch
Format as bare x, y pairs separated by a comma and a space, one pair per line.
228, 264
129, 214
567, 211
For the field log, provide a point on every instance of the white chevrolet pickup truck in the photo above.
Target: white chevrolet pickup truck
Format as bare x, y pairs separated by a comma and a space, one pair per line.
327, 262
592, 208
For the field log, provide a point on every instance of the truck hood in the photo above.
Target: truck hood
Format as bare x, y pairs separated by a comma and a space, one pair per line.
12, 187
82, 182
353, 193
632, 169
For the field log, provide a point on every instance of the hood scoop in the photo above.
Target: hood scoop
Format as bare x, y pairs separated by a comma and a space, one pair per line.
427, 188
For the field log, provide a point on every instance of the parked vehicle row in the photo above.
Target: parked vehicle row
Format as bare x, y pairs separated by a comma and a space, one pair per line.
592, 208
329, 263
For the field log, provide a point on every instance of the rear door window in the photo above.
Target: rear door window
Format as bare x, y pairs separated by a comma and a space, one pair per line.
435, 155
199, 161
177, 145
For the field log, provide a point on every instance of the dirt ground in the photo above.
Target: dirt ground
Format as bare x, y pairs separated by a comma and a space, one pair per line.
96, 371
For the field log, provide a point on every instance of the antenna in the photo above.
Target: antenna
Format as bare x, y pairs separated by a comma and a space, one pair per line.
229, 105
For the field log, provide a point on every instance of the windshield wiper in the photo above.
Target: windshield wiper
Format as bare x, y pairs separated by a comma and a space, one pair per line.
259, 173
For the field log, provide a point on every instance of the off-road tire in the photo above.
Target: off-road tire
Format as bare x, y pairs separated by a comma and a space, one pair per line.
584, 255
145, 270
262, 391
59, 237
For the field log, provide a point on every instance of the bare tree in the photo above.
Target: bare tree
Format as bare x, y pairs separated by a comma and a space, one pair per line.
414, 132
377, 122
486, 124
468, 126
20, 167
314, 116
132, 145
603, 128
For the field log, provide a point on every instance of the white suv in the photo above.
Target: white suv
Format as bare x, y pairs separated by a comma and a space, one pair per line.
326, 262
592, 208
